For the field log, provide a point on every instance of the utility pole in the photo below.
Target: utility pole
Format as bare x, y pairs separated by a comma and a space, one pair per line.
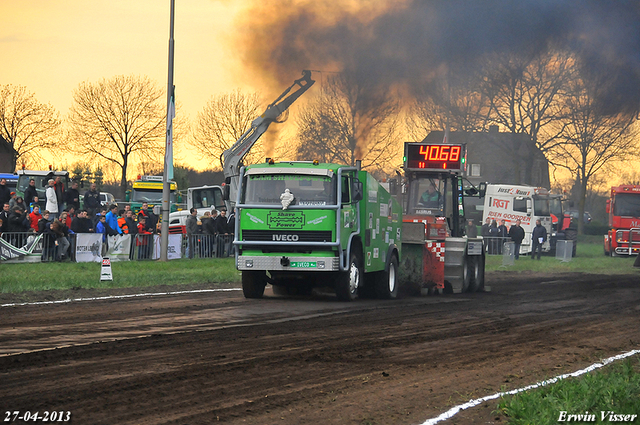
168, 155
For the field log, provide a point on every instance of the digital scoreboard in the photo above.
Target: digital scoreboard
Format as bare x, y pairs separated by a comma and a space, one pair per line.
434, 157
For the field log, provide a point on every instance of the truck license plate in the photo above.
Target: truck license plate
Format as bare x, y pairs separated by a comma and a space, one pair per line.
303, 264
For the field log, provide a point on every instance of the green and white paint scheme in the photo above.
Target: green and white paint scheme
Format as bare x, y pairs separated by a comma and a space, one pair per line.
306, 224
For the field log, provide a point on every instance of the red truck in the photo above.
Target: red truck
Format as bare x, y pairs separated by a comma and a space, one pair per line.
623, 209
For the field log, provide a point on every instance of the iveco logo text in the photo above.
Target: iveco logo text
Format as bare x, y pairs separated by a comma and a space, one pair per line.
289, 238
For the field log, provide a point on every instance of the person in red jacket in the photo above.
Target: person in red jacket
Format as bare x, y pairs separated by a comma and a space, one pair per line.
143, 239
34, 217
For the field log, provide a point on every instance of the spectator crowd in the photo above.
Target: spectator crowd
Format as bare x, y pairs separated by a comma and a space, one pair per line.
63, 217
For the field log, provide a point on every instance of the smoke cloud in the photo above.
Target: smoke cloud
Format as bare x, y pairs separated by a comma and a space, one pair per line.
409, 42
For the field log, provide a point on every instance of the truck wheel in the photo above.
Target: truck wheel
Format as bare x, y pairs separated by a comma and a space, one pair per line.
477, 273
350, 280
253, 283
387, 281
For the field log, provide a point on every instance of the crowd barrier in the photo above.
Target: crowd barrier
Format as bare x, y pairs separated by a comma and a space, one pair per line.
91, 247
494, 245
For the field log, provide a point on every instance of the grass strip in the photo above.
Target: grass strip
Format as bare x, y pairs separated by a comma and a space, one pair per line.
614, 390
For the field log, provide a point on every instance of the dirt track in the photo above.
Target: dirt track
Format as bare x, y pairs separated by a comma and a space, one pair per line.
208, 357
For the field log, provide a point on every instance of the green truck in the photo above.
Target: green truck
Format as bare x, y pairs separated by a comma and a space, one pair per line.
305, 224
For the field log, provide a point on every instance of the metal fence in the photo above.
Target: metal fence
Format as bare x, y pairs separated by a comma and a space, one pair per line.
494, 245
48, 247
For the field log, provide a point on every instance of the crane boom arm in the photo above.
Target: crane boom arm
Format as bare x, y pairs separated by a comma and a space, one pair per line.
232, 157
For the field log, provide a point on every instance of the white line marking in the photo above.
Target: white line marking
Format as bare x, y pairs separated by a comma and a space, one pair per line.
454, 410
113, 297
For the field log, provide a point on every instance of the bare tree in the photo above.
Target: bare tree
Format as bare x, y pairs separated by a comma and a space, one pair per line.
351, 120
119, 120
222, 121
27, 125
593, 142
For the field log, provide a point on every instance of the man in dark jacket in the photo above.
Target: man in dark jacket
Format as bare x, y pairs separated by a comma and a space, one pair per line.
92, 201
192, 230
516, 233
538, 237
82, 224
30, 193
72, 197
5, 192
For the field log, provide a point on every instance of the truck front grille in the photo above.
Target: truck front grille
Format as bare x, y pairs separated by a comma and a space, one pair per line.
286, 236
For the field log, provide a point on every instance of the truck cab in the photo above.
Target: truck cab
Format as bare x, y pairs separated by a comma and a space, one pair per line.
623, 209
525, 203
306, 224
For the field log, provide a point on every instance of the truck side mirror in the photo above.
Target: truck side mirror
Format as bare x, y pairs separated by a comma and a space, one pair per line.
127, 195
482, 189
357, 190
529, 207
608, 206
226, 189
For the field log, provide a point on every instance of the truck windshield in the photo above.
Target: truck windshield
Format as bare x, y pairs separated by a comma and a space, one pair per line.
555, 207
151, 195
627, 205
306, 190
426, 196
541, 206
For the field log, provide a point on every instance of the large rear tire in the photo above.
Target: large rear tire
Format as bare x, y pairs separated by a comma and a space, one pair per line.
387, 281
253, 283
350, 281
476, 272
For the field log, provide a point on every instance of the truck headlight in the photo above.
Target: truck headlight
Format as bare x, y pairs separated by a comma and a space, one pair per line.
248, 263
320, 264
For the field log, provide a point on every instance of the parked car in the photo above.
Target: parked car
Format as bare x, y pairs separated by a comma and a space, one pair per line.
107, 199
575, 214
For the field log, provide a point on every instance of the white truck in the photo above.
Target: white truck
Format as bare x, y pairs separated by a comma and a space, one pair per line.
525, 203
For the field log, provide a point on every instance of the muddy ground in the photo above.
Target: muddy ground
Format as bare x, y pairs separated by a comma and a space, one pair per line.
212, 357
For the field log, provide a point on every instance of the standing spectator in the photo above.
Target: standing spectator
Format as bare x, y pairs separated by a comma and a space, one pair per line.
484, 230
516, 233
20, 203
52, 200
4, 215
130, 221
12, 200
143, 238
35, 217
223, 234
30, 193
82, 224
44, 229
208, 232
538, 237
5, 192
72, 197
150, 218
61, 232
122, 222
503, 233
33, 203
17, 219
493, 238
112, 219
59, 187
71, 215
472, 230
192, 230
101, 227
92, 201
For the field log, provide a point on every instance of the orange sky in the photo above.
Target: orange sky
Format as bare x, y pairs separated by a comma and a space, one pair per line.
50, 46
